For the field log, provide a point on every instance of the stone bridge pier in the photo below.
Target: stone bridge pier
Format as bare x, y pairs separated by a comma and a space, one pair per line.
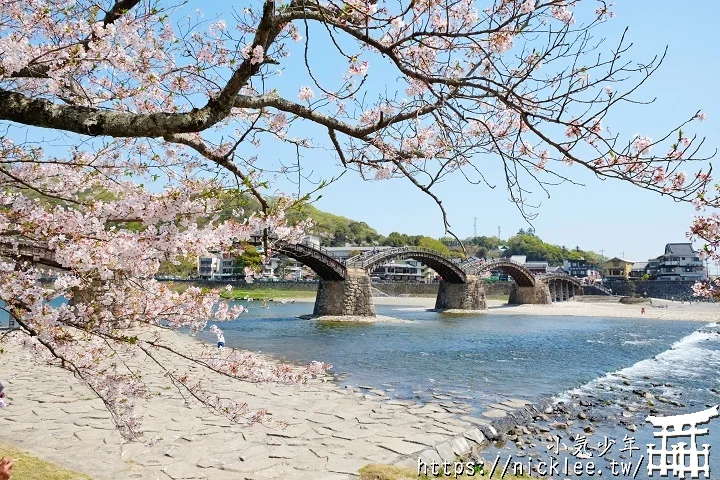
351, 296
462, 296
535, 294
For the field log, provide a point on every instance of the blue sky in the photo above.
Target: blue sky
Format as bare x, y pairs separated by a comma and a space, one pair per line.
611, 216
608, 216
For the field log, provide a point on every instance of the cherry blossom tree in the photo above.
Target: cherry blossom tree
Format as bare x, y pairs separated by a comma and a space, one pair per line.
126, 122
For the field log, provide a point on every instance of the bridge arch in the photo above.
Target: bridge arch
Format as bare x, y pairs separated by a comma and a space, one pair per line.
444, 266
517, 271
561, 277
323, 263
562, 287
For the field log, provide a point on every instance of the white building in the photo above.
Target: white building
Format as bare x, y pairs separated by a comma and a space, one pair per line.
217, 266
679, 262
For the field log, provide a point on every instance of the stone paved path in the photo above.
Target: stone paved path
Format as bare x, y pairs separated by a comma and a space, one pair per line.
330, 432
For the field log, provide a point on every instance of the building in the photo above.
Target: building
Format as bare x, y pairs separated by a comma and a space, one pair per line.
680, 262
639, 270
217, 266
402, 271
538, 268
618, 268
581, 268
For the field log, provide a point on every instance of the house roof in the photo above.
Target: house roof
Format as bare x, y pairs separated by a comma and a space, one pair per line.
679, 249
620, 259
536, 264
639, 266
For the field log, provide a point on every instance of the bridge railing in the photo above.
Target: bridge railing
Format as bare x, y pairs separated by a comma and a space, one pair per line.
26, 250
358, 262
490, 263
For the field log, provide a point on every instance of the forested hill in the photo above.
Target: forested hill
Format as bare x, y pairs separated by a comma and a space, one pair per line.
334, 229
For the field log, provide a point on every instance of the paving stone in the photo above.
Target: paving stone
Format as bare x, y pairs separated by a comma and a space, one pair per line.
401, 447
460, 446
345, 465
475, 420
178, 471
210, 463
253, 452
287, 452
252, 465
445, 451
428, 439
430, 455
353, 434
496, 413
289, 432
268, 473
476, 436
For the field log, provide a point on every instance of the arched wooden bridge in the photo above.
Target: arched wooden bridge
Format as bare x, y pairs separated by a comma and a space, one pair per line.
345, 284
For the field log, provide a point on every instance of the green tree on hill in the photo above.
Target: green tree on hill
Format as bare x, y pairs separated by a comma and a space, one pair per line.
433, 244
250, 258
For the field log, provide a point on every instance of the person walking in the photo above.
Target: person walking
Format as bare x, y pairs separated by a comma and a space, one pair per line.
642, 311
2, 395
220, 336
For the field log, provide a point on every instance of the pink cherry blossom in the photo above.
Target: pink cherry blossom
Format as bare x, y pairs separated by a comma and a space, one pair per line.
642, 145
306, 94
528, 6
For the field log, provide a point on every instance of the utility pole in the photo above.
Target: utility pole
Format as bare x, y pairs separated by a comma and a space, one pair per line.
475, 227
498, 231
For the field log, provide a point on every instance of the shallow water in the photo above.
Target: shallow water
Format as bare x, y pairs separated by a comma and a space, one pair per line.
490, 356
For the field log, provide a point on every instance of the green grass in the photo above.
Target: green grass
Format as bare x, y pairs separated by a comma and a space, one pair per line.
28, 467
254, 293
267, 293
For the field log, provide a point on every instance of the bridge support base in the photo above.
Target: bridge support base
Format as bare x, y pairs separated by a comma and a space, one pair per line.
462, 296
538, 294
352, 296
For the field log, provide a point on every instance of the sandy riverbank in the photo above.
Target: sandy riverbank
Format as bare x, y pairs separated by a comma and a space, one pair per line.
659, 310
